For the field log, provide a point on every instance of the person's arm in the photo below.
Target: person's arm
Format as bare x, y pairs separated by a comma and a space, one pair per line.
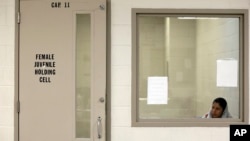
205, 116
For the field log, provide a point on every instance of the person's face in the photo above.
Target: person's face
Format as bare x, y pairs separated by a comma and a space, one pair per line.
216, 110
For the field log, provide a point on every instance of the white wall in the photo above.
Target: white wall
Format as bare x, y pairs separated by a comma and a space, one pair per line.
121, 73
210, 50
7, 8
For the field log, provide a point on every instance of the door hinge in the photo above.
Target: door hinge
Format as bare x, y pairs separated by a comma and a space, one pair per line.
18, 107
18, 17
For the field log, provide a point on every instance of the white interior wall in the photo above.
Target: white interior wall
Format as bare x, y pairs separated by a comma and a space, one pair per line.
121, 129
210, 48
182, 82
121, 72
7, 8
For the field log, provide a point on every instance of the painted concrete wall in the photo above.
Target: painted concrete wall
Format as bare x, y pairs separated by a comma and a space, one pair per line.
121, 74
7, 8
209, 51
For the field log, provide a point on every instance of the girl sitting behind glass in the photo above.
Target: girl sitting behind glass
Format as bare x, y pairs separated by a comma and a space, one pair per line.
219, 109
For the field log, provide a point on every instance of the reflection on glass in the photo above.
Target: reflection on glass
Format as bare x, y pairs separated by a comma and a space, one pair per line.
83, 108
186, 50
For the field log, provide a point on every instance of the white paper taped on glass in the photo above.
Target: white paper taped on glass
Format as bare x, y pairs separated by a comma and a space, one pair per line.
157, 90
227, 73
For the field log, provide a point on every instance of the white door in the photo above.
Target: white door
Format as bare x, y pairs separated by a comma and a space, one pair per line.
62, 70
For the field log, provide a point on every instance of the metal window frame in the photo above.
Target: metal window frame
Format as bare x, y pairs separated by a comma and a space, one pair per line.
244, 76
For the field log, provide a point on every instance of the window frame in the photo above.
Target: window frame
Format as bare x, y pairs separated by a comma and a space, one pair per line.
243, 74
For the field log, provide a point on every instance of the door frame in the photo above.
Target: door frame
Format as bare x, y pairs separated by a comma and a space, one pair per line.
16, 75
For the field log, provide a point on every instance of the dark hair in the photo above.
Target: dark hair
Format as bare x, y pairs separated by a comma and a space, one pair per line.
222, 102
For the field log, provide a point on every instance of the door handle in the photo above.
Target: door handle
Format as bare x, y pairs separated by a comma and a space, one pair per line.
99, 127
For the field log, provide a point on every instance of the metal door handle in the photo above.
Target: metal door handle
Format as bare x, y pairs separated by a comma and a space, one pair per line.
99, 127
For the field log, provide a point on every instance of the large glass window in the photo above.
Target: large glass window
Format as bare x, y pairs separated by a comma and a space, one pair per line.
183, 61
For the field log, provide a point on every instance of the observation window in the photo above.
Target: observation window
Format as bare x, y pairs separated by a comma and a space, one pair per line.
182, 59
